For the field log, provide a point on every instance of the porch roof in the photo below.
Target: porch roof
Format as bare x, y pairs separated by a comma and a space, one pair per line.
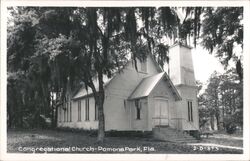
146, 86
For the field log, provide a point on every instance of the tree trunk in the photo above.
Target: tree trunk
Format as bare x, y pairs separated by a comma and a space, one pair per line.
101, 128
56, 117
9, 119
10, 114
100, 103
20, 117
218, 121
52, 116
21, 105
212, 122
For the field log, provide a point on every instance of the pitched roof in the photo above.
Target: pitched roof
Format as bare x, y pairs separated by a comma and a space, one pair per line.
147, 85
83, 92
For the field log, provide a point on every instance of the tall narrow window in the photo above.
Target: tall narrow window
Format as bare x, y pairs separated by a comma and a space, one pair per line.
190, 111
67, 109
70, 109
64, 108
96, 112
79, 110
138, 109
87, 109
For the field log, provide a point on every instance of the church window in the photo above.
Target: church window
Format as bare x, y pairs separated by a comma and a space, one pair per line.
87, 109
138, 109
190, 111
79, 110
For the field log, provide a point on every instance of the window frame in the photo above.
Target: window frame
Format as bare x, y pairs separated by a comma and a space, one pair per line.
79, 111
138, 109
87, 109
65, 112
190, 111
70, 108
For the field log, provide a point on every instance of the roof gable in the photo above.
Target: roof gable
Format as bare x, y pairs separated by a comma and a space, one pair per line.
147, 85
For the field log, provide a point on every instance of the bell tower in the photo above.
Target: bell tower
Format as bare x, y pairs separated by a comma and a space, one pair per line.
181, 72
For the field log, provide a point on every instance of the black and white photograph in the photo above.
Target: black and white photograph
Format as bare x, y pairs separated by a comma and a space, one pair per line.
160, 79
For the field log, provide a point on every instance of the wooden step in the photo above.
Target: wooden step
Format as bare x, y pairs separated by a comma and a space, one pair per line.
172, 135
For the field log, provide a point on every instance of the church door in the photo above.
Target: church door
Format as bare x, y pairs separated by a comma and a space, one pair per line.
161, 112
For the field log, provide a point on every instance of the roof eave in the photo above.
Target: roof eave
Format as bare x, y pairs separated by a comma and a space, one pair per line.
131, 99
84, 96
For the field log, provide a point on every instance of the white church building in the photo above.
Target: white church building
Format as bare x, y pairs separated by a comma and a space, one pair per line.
141, 100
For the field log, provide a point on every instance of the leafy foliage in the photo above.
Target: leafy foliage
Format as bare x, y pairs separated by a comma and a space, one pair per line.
222, 99
222, 30
231, 127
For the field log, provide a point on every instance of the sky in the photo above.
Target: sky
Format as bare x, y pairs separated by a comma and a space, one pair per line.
205, 64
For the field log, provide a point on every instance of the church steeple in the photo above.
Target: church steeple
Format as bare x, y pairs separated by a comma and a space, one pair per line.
181, 68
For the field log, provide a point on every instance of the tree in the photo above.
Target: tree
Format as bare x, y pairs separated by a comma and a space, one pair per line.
32, 37
20, 50
213, 100
232, 97
222, 99
202, 102
222, 33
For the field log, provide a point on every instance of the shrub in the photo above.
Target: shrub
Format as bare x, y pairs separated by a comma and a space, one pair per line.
195, 134
231, 128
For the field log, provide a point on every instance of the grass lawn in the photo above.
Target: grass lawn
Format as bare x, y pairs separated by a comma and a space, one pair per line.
52, 141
